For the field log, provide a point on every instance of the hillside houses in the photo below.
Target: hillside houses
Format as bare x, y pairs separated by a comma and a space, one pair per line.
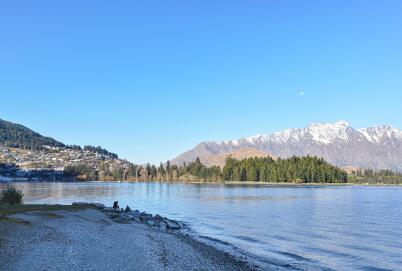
52, 157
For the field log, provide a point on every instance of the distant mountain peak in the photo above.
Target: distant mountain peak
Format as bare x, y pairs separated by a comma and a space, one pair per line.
339, 143
326, 133
378, 134
322, 133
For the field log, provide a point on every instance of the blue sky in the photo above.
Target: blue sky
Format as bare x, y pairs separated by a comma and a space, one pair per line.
151, 79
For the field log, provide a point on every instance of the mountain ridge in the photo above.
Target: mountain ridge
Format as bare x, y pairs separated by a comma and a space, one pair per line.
378, 147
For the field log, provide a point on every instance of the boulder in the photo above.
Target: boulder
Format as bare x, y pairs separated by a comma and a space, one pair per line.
136, 213
145, 217
170, 224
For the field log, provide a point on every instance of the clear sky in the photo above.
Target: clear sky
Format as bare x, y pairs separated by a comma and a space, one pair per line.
151, 79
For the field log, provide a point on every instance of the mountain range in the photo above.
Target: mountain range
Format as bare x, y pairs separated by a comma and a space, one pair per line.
377, 147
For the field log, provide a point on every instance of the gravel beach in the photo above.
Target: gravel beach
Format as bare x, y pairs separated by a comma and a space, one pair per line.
89, 240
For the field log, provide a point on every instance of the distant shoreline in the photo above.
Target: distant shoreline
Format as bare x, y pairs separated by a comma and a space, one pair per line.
265, 183
215, 183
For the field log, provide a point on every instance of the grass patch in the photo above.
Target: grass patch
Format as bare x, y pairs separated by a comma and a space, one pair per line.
11, 194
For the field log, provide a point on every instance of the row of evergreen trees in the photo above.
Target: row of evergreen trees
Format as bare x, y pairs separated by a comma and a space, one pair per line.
374, 177
197, 169
116, 172
294, 169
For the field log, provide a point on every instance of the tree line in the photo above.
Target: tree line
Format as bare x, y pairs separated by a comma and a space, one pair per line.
370, 176
290, 170
295, 169
105, 171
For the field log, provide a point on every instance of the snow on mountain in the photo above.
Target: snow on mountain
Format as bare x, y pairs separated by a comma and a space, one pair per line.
339, 143
322, 133
378, 134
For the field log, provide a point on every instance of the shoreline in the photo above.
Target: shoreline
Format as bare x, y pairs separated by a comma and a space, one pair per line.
30, 232
217, 183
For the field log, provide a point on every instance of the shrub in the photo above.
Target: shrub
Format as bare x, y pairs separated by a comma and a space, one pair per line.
11, 195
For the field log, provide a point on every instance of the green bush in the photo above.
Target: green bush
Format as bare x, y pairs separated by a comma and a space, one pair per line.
11, 195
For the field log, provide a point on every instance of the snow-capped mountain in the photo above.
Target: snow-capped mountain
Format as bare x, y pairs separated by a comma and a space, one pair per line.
375, 147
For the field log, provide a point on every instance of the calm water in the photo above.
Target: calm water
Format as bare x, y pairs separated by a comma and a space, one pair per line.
307, 228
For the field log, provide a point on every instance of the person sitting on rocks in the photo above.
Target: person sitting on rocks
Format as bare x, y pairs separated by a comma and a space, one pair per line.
116, 206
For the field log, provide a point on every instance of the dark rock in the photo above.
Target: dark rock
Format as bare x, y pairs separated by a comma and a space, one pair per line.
136, 213
128, 216
170, 224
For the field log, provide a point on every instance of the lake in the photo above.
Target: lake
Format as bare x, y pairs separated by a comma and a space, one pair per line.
280, 227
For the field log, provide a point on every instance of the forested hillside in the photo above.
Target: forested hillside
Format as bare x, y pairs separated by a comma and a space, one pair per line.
18, 136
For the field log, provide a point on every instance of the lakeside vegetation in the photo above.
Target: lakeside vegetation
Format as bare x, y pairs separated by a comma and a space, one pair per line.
370, 176
251, 170
302, 170
11, 194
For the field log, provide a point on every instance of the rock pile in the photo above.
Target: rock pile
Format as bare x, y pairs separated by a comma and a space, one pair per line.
126, 215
